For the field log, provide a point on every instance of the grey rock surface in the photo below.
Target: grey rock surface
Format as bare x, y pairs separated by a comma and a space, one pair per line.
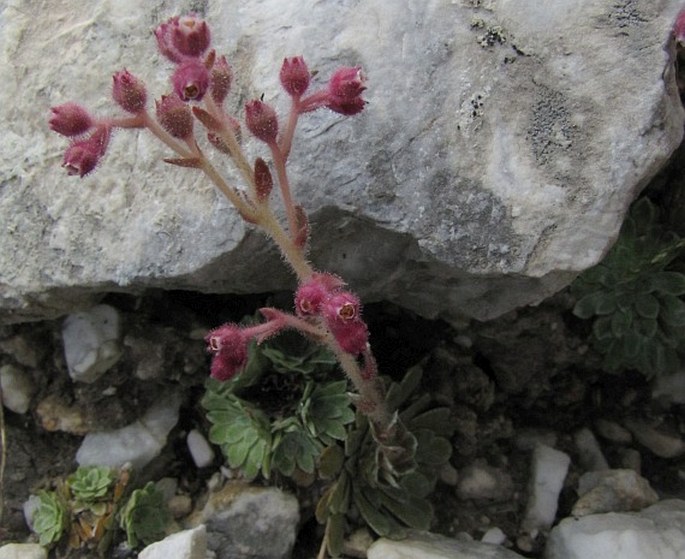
501, 146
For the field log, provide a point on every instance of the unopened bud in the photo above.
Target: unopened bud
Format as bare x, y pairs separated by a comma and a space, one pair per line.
264, 182
175, 116
261, 120
129, 92
70, 119
295, 76
221, 79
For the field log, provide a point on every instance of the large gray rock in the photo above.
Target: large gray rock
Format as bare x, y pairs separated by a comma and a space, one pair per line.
502, 144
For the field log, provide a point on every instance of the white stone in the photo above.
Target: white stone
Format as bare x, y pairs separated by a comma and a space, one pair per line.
187, 544
17, 388
480, 481
670, 388
663, 444
657, 531
199, 448
549, 470
612, 431
23, 551
482, 176
590, 454
137, 443
422, 545
91, 342
613, 491
494, 536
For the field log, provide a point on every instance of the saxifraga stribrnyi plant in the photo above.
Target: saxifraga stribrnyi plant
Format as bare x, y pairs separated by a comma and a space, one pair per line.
634, 297
379, 475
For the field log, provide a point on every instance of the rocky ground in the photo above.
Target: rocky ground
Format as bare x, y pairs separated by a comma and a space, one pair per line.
526, 378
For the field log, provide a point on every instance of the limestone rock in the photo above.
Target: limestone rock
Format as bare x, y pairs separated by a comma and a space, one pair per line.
91, 342
17, 388
657, 531
432, 546
613, 491
23, 551
245, 522
187, 544
137, 443
496, 158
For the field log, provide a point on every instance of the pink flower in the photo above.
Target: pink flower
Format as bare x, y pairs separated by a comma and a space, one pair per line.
221, 80
70, 119
183, 37
129, 92
294, 76
261, 120
229, 344
190, 80
679, 28
342, 313
175, 117
344, 90
310, 295
82, 156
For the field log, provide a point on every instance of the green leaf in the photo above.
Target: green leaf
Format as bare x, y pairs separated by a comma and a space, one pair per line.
671, 283
587, 306
399, 392
672, 311
646, 327
436, 419
620, 323
335, 534
415, 513
602, 328
145, 516
647, 305
431, 449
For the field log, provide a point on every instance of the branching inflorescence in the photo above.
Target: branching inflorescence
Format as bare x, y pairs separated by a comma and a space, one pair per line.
325, 310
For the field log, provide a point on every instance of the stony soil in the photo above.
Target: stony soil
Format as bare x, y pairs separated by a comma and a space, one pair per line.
529, 373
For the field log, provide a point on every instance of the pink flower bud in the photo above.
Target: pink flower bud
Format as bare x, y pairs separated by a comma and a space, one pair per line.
221, 80
347, 82
82, 156
229, 344
190, 35
352, 336
261, 120
344, 90
264, 182
129, 92
294, 76
190, 80
175, 116
679, 28
70, 119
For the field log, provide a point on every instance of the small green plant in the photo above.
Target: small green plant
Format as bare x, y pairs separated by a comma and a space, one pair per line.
90, 483
82, 511
51, 518
281, 412
634, 297
145, 516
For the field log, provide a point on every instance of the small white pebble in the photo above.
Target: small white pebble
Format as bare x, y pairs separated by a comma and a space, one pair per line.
494, 536
199, 448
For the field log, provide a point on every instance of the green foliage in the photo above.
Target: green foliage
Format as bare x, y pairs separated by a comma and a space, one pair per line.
83, 511
634, 297
281, 412
366, 485
145, 516
51, 518
90, 483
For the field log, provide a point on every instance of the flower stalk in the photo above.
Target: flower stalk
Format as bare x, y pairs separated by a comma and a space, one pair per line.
325, 310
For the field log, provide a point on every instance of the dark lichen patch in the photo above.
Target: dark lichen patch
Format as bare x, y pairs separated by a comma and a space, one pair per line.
550, 130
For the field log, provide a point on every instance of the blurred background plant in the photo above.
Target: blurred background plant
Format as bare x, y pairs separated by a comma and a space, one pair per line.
80, 513
634, 297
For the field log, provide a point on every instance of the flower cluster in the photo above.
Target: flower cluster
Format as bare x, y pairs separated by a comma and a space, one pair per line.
200, 84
